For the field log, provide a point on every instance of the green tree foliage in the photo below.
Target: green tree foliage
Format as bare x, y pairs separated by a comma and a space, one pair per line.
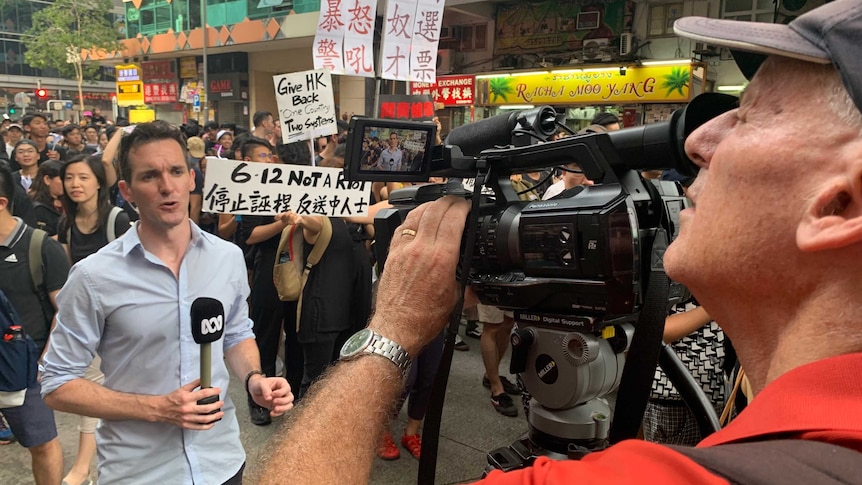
500, 87
676, 81
66, 28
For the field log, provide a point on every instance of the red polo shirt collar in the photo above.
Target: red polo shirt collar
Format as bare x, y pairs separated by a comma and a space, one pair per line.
821, 401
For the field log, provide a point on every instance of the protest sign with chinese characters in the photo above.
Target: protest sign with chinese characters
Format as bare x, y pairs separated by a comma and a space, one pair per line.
411, 34
398, 25
426, 37
329, 39
306, 107
249, 188
359, 18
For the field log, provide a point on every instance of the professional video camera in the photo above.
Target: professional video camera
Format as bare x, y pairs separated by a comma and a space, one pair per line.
576, 269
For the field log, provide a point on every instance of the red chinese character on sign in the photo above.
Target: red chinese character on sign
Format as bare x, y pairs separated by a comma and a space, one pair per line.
148, 89
467, 93
326, 51
398, 24
445, 93
395, 60
357, 60
332, 17
387, 110
456, 93
360, 20
163, 90
429, 26
416, 110
172, 89
429, 109
403, 110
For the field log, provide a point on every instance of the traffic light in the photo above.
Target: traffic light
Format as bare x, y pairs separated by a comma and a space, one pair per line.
41, 94
12, 110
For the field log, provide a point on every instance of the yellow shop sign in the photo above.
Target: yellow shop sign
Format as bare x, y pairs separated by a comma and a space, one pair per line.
649, 84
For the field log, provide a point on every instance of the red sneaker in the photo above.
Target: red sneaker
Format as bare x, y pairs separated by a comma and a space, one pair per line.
412, 443
387, 449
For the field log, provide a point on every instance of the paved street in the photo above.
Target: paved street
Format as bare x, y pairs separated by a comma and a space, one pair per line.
470, 428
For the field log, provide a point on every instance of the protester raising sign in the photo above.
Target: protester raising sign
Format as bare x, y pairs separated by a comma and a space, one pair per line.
235, 187
306, 106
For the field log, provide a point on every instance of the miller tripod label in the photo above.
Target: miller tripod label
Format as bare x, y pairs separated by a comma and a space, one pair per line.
546, 369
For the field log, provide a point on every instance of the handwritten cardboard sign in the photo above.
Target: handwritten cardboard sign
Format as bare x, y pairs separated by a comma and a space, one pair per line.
306, 105
249, 188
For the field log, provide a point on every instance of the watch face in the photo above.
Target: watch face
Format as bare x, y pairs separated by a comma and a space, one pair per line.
356, 343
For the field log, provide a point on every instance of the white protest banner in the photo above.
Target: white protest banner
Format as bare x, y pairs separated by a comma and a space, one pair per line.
398, 28
250, 188
329, 39
426, 37
306, 107
359, 16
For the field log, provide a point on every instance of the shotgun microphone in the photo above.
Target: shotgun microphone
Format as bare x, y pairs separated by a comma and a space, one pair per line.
207, 327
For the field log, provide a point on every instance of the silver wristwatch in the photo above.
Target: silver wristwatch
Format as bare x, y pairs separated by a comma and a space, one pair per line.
368, 341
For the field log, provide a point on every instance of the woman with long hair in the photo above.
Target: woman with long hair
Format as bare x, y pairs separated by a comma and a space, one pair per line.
86, 202
45, 193
84, 229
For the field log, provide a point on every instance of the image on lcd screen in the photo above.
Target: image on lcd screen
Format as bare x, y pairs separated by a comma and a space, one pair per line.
386, 149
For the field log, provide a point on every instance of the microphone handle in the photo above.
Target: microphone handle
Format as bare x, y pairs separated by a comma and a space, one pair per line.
206, 365
206, 374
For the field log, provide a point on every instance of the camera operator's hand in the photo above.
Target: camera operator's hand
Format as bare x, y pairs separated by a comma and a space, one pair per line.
418, 289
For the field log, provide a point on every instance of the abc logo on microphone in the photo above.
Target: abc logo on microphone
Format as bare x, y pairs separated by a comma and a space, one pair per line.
212, 325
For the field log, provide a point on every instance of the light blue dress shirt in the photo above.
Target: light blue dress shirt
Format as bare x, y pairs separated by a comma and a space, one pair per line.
125, 305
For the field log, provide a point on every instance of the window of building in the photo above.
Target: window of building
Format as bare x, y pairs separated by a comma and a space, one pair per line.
264, 9
661, 19
464, 37
153, 17
748, 10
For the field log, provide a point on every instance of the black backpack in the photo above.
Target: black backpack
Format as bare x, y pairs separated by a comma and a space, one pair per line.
19, 357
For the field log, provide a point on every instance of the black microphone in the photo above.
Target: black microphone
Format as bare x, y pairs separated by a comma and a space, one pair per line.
207, 327
497, 130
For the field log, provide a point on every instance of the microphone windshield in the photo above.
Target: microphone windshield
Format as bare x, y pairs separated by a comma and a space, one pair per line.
472, 138
207, 320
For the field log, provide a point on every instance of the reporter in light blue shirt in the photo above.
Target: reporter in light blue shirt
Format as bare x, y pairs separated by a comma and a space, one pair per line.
130, 303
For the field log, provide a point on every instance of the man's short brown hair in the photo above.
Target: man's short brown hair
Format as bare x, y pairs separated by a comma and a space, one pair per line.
148, 133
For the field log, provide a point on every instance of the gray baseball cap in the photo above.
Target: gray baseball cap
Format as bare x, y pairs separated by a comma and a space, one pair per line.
831, 34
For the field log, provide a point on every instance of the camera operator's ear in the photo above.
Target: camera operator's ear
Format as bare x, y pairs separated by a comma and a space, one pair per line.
833, 217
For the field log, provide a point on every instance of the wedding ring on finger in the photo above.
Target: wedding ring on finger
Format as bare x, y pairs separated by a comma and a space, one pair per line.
408, 232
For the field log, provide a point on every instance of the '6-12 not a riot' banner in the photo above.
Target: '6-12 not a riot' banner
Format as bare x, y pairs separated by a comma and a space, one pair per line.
249, 188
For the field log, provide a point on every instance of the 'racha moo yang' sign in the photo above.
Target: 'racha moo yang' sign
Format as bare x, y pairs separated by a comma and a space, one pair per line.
449, 90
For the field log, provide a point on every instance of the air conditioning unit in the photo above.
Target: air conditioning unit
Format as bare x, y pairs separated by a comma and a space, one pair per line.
445, 60
626, 43
597, 50
705, 50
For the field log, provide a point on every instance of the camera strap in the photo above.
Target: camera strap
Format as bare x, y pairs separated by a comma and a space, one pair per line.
644, 349
434, 414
